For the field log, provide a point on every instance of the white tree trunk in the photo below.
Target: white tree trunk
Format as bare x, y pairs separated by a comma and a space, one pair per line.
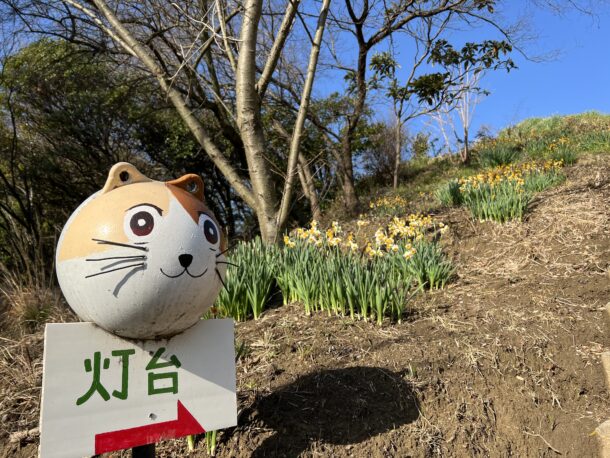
300, 121
397, 150
250, 125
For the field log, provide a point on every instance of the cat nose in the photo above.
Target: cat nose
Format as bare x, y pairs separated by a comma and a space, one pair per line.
185, 260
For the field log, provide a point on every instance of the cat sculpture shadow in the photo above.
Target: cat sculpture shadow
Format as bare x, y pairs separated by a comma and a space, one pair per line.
337, 406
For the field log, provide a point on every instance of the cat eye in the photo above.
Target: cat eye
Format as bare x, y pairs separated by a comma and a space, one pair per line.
210, 230
142, 223
140, 220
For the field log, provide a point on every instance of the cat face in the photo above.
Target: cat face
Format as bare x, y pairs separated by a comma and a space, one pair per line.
142, 258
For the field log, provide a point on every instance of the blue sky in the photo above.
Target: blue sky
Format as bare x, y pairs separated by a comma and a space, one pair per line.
577, 79
573, 76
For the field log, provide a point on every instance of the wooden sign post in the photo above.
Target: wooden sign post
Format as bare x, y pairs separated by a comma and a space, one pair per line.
143, 451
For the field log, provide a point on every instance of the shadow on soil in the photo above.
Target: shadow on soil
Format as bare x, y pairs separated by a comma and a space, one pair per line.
340, 406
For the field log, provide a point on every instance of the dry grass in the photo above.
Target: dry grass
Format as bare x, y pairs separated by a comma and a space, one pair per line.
556, 237
20, 379
27, 306
25, 310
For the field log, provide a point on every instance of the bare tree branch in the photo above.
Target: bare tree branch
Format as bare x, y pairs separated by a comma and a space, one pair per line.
301, 116
176, 98
278, 47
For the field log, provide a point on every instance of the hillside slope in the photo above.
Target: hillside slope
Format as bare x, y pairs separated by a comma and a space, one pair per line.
502, 362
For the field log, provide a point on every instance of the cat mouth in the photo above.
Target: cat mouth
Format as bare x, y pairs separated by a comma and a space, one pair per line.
185, 271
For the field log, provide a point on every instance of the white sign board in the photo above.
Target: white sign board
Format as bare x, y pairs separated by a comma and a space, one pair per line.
102, 393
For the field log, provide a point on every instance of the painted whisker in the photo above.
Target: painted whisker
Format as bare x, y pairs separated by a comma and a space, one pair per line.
225, 250
121, 262
141, 264
226, 262
134, 258
126, 245
221, 280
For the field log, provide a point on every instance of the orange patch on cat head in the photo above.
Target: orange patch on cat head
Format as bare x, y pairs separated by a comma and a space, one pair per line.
189, 192
101, 217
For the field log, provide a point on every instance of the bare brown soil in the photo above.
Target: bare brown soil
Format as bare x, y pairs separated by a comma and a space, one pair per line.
503, 362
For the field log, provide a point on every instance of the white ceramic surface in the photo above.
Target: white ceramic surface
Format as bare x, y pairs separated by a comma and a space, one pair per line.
142, 258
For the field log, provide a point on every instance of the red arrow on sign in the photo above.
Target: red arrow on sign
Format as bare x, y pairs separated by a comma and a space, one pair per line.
184, 425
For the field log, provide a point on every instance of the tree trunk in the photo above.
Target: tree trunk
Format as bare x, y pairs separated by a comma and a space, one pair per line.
397, 150
305, 176
299, 124
309, 189
250, 125
465, 152
350, 197
133, 47
347, 176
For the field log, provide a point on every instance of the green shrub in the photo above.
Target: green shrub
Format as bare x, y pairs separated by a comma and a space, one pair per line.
497, 153
449, 194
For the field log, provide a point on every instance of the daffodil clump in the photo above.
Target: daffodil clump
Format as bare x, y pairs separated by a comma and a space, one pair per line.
332, 237
501, 200
561, 142
341, 272
396, 237
248, 281
389, 205
344, 283
563, 149
519, 173
449, 195
502, 193
495, 153
349, 274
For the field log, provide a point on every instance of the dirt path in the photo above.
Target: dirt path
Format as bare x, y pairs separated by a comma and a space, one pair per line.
504, 362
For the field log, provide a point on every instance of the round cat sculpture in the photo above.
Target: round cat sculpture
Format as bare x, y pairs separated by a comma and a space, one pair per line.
142, 259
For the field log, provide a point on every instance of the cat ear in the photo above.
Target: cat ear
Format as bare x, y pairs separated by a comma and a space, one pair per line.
191, 183
121, 174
